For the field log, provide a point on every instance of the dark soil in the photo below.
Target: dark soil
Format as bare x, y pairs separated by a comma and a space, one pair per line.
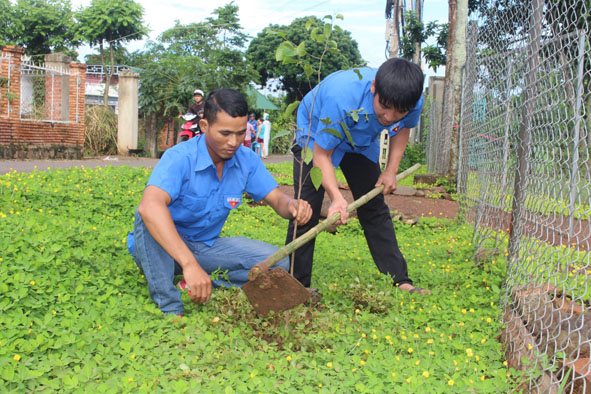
407, 206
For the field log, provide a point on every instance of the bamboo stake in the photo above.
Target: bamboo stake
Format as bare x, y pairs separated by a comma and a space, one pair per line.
320, 227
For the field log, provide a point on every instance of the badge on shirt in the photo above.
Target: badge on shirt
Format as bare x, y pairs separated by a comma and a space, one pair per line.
233, 201
395, 129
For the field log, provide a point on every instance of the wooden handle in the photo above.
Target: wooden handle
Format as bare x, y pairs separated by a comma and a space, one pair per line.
320, 227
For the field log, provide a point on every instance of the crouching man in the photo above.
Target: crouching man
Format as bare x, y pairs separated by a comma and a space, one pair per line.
187, 200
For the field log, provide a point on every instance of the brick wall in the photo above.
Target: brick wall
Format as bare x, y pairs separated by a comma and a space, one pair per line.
27, 139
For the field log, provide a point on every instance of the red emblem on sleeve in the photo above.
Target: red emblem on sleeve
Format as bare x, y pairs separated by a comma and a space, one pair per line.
233, 201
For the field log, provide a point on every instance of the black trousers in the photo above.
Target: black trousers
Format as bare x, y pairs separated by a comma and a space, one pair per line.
374, 217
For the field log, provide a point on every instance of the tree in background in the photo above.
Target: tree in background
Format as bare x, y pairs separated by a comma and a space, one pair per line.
5, 22
41, 26
417, 32
206, 55
112, 23
261, 53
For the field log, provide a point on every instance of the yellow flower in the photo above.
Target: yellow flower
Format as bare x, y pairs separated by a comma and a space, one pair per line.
375, 336
482, 378
252, 375
32, 283
488, 319
450, 382
361, 362
288, 358
426, 374
130, 379
469, 352
363, 335
132, 356
329, 365
407, 380
319, 384
16, 357
410, 350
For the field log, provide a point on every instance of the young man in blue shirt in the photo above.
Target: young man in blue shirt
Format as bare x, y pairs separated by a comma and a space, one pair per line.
187, 200
361, 102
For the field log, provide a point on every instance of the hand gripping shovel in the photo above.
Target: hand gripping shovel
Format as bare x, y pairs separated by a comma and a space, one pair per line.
277, 290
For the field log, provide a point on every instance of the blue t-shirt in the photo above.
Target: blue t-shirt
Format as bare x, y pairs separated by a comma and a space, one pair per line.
201, 202
336, 97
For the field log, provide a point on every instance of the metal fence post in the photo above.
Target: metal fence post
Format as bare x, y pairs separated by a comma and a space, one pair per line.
524, 146
576, 138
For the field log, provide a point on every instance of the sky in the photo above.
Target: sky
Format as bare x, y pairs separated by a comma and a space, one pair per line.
363, 18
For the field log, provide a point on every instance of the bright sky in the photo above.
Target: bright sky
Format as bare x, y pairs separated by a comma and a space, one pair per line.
363, 18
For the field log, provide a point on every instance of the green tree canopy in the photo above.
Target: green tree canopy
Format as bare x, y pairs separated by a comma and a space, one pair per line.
206, 55
42, 26
112, 23
261, 53
5, 22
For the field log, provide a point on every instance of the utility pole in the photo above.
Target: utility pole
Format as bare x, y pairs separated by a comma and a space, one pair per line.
393, 27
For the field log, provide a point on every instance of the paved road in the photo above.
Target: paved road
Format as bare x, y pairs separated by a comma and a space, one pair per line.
30, 165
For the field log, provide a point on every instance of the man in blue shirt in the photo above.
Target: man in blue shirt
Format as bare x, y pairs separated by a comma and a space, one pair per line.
340, 121
187, 200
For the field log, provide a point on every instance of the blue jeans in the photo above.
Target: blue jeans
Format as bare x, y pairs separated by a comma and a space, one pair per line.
236, 255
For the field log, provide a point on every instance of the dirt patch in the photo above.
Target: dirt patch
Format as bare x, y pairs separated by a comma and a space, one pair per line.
407, 205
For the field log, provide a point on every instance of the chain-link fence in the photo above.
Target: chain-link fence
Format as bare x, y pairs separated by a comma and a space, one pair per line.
45, 93
525, 177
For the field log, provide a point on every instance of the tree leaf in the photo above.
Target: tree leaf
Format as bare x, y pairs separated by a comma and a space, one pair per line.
307, 155
301, 49
309, 24
325, 120
308, 70
327, 30
316, 177
290, 108
282, 133
355, 116
332, 131
340, 16
358, 73
348, 134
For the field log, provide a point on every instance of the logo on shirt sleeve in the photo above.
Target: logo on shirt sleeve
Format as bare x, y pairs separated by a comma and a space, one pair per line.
395, 129
233, 201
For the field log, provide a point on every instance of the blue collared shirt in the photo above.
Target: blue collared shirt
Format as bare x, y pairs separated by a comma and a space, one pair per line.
201, 202
336, 97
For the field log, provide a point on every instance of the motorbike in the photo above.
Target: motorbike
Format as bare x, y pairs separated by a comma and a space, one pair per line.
190, 128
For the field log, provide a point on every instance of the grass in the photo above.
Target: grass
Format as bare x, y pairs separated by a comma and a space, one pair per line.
76, 316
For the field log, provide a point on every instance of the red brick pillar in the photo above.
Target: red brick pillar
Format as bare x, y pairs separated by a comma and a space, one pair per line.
57, 86
76, 100
11, 77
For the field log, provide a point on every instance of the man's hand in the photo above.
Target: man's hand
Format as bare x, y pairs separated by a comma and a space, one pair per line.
199, 283
300, 210
339, 205
388, 181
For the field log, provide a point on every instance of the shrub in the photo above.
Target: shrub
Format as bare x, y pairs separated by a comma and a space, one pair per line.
100, 131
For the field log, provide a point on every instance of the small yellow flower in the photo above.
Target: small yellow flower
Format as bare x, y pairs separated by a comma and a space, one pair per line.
319, 384
375, 336
469, 352
426, 374
329, 365
427, 329
410, 350
482, 378
361, 362
130, 379
407, 380
388, 337
363, 335
288, 358
133, 356
488, 320
16, 357
252, 375
450, 382
32, 283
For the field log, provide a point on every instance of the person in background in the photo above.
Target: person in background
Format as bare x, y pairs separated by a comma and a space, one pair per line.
196, 106
248, 136
187, 200
260, 138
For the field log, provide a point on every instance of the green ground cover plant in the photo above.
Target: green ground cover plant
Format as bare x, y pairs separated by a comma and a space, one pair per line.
76, 316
